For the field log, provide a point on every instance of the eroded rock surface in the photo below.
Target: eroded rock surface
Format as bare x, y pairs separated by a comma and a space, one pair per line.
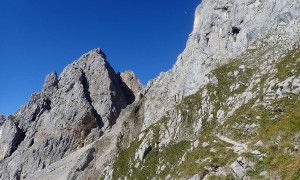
72, 111
235, 84
10, 137
132, 82
223, 29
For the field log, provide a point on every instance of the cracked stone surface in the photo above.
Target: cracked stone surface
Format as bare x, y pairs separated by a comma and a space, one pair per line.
72, 111
213, 42
73, 128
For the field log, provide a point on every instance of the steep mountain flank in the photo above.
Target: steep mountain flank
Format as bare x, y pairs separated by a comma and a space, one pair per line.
132, 82
71, 112
228, 109
214, 42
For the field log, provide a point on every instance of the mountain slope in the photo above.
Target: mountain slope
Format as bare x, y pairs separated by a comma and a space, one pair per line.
228, 109
71, 112
222, 76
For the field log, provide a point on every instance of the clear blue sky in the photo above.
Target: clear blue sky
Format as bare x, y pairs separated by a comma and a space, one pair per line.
37, 37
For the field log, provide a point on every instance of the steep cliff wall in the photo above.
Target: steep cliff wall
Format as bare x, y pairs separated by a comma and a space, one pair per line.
232, 94
228, 109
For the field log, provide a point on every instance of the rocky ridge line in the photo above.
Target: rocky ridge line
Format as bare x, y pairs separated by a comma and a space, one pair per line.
72, 111
231, 67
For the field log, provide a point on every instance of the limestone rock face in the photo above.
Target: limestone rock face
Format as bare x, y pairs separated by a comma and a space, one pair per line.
238, 74
10, 137
240, 65
72, 111
231, 25
132, 82
222, 29
51, 82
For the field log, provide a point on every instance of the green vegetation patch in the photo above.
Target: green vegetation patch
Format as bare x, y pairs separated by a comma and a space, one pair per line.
290, 65
125, 157
189, 107
216, 154
279, 123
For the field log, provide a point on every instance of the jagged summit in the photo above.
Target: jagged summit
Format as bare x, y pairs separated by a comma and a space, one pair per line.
72, 111
132, 82
228, 109
51, 82
97, 51
94, 52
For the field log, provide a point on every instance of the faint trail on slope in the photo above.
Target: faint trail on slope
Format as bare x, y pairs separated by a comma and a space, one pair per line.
238, 147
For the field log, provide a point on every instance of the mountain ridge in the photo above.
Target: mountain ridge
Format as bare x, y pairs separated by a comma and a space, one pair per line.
228, 109
72, 111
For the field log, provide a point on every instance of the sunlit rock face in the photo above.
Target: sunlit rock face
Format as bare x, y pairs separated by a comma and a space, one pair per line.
222, 30
133, 83
234, 89
230, 103
72, 111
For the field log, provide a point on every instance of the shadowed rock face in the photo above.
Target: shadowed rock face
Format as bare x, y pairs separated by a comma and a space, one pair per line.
133, 83
2, 119
71, 112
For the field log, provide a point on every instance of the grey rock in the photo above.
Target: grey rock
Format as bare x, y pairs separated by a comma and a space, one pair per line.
94, 163
196, 177
51, 82
70, 113
256, 152
132, 82
10, 137
264, 174
78, 119
259, 144
239, 167
205, 144
82, 163
223, 29
2, 119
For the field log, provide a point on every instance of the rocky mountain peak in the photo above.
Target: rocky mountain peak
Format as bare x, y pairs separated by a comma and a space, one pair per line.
228, 109
73, 110
51, 82
132, 82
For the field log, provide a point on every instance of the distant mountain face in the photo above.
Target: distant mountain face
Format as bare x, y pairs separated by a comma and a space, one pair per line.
228, 109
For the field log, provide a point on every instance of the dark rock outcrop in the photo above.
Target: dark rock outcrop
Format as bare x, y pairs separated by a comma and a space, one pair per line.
2, 119
133, 86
